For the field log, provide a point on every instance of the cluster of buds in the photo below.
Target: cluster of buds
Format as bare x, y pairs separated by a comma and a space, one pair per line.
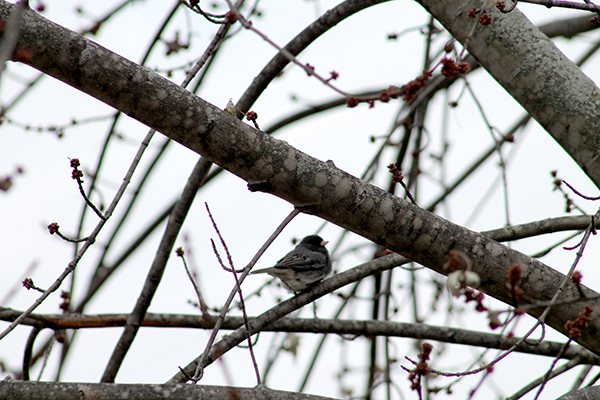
77, 174
421, 368
452, 69
576, 327
397, 175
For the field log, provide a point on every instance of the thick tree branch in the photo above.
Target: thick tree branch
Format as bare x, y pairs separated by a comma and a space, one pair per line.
318, 188
25, 390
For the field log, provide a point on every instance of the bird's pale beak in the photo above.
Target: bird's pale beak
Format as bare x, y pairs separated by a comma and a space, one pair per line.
324, 242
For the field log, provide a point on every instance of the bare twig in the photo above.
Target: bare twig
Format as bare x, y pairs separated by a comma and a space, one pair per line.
199, 368
560, 370
239, 290
579, 193
548, 373
310, 70
540, 320
157, 269
88, 243
201, 302
563, 4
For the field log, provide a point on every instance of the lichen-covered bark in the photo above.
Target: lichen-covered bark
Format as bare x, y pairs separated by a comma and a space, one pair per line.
24, 390
273, 166
538, 75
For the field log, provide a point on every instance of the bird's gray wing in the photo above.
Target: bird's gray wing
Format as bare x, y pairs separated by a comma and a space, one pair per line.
299, 262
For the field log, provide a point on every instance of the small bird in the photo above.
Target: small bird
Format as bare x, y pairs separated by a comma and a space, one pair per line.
302, 267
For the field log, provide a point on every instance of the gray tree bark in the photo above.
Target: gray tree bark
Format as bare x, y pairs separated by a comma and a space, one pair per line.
26, 390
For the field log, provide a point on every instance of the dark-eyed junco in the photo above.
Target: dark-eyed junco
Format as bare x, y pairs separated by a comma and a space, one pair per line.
302, 267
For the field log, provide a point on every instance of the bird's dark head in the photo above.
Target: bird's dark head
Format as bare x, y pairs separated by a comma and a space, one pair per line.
314, 240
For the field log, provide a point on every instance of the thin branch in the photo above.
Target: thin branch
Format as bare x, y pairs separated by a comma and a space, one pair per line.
318, 348
201, 302
334, 326
579, 193
38, 78
310, 70
28, 352
560, 370
540, 320
111, 133
282, 309
175, 222
88, 243
195, 378
86, 198
299, 43
542, 227
548, 373
564, 4
197, 371
156, 271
